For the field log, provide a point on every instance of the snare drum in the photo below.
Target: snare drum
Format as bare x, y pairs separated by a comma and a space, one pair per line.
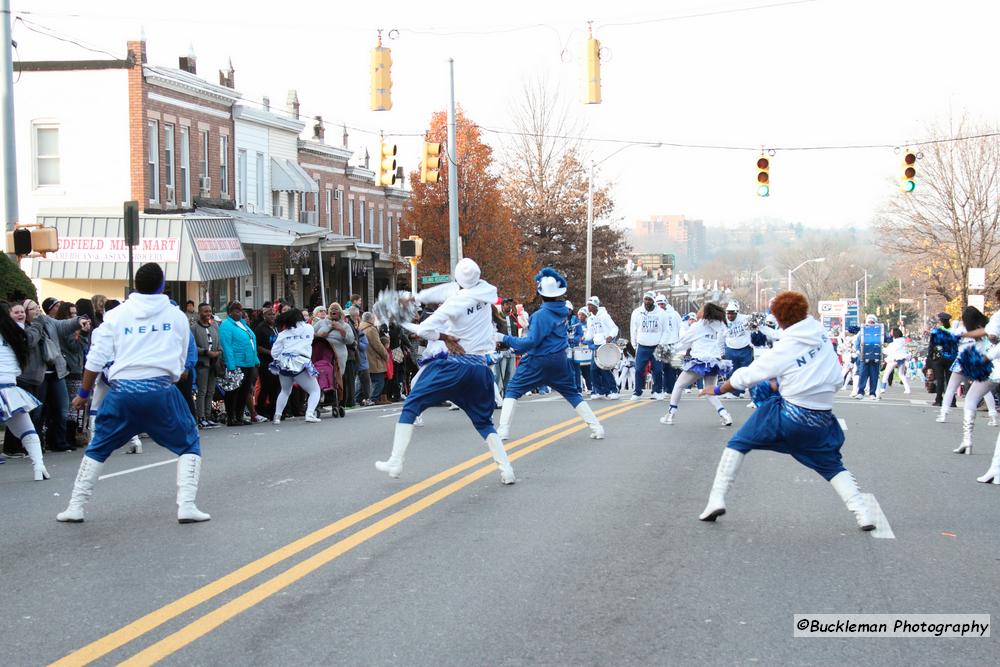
608, 356
583, 354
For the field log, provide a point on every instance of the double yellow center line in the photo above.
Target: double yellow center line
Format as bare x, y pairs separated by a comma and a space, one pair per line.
211, 620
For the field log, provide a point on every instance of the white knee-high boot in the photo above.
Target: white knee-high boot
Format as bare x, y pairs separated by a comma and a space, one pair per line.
400, 441
33, 445
847, 488
500, 456
587, 415
506, 416
993, 474
725, 474
188, 474
968, 424
83, 488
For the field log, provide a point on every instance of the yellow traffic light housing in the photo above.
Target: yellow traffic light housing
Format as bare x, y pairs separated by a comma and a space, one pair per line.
430, 163
593, 69
381, 77
908, 183
763, 176
411, 248
386, 165
32, 240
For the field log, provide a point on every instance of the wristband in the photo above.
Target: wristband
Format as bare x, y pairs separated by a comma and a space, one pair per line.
83, 393
717, 388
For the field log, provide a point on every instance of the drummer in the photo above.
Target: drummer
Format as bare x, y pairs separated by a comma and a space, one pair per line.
574, 334
544, 359
671, 335
601, 329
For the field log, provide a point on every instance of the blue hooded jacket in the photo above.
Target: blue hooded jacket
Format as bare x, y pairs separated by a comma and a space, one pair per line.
546, 331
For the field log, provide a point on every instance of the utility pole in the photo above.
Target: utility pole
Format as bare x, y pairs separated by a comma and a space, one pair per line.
7, 120
590, 227
452, 169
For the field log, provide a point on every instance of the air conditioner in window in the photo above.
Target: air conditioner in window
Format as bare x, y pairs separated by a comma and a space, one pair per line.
170, 194
206, 183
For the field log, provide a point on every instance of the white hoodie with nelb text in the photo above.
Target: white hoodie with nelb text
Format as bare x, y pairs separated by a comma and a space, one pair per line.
146, 337
804, 364
465, 313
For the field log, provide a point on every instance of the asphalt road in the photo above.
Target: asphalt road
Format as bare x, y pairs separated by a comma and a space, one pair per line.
595, 556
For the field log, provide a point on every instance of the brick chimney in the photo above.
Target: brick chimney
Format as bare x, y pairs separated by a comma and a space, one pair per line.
189, 63
292, 103
318, 130
266, 103
345, 137
227, 77
137, 121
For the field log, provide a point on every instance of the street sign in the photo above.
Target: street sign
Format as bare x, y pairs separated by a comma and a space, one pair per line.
907, 301
978, 300
977, 278
435, 278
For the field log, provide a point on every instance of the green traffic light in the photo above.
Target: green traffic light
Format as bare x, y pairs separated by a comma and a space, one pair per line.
763, 190
909, 186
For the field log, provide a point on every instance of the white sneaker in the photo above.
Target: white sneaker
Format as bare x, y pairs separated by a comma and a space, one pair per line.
662, 396
276, 421
452, 406
419, 421
312, 419
668, 418
873, 398
726, 418
259, 419
597, 397
858, 396
752, 405
613, 397
635, 397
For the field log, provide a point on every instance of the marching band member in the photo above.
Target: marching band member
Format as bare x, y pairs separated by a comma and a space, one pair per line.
670, 336
897, 355
601, 329
147, 338
647, 329
799, 420
464, 321
15, 403
544, 360
738, 348
705, 339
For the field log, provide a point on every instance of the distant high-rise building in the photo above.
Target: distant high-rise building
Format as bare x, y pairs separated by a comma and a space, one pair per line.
673, 234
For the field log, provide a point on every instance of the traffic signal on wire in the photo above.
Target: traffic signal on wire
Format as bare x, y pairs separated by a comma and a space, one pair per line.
430, 162
386, 165
593, 69
763, 176
908, 182
381, 78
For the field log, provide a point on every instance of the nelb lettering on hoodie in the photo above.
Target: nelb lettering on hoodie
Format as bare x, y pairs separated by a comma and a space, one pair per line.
144, 328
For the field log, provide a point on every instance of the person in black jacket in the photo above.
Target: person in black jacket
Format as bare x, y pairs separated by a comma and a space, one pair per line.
940, 364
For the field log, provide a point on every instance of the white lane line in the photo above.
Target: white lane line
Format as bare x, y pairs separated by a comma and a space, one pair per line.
131, 470
843, 424
391, 414
882, 527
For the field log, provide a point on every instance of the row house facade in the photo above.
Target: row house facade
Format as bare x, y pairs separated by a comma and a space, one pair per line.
235, 204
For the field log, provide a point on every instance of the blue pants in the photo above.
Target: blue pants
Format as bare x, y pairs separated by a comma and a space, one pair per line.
465, 380
554, 370
55, 402
144, 406
669, 378
811, 437
643, 355
868, 374
602, 382
741, 357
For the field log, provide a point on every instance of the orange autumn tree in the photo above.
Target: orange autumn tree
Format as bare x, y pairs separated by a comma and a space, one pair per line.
489, 235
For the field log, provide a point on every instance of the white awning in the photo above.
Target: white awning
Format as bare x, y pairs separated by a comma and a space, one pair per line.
288, 176
259, 229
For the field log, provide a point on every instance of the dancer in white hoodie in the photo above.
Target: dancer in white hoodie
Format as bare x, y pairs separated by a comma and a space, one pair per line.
464, 321
147, 338
706, 340
799, 420
16, 403
292, 363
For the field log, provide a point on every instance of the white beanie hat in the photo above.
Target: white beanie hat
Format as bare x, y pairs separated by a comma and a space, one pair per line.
466, 273
569, 306
733, 307
660, 298
594, 301
649, 295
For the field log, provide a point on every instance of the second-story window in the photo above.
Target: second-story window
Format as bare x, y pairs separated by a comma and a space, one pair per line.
241, 177
350, 218
205, 183
46, 147
260, 182
185, 166
168, 162
224, 164
329, 209
153, 162
340, 210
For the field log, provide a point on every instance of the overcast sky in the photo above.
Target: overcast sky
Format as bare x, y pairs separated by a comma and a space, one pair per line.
746, 73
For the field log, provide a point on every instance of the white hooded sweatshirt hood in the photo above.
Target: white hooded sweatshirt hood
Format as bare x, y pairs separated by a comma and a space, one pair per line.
804, 364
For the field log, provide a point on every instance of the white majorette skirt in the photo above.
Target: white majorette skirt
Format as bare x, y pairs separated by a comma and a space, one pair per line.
14, 400
708, 366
